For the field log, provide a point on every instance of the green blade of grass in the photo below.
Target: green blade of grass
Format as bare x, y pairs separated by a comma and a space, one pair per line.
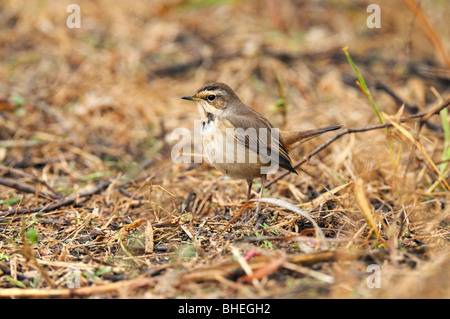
446, 151
362, 84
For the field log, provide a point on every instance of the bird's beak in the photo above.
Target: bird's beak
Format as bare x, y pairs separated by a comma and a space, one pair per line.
191, 98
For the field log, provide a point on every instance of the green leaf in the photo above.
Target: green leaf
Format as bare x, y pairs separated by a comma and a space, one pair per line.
32, 235
90, 275
4, 257
16, 282
11, 201
18, 99
102, 270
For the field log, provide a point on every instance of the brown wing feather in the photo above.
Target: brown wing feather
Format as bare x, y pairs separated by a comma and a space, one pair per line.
256, 143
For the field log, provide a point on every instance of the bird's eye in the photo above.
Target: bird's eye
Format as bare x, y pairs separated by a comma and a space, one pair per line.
211, 97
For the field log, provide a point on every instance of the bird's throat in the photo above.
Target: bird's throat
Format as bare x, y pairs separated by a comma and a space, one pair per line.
208, 120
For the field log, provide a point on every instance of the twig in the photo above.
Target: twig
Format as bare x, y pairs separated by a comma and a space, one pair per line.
430, 32
310, 272
21, 143
226, 268
27, 252
26, 188
21, 173
83, 291
42, 162
65, 202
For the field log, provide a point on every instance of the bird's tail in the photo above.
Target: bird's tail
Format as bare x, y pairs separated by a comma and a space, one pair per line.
294, 139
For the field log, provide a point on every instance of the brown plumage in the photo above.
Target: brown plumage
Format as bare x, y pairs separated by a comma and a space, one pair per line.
249, 134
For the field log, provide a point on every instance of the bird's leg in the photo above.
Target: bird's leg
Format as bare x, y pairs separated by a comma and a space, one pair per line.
249, 194
263, 184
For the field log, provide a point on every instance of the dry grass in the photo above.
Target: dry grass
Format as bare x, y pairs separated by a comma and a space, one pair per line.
86, 118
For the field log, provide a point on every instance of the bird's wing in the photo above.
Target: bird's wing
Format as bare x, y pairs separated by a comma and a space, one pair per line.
263, 142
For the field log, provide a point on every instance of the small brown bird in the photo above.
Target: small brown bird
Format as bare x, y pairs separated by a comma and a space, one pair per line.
240, 142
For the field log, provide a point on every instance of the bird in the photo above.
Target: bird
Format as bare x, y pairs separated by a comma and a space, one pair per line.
240, 142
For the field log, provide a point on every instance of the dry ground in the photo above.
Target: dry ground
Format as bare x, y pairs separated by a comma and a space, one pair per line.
91, 198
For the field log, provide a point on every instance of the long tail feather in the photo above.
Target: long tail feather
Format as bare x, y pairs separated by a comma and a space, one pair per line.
294, 139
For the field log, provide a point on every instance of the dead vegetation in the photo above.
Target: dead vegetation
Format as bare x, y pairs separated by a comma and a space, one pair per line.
92, 204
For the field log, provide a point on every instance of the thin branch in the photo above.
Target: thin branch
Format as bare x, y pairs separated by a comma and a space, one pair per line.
65, 202
429, 31
21, 173
422, 117
26, 188
82, 291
